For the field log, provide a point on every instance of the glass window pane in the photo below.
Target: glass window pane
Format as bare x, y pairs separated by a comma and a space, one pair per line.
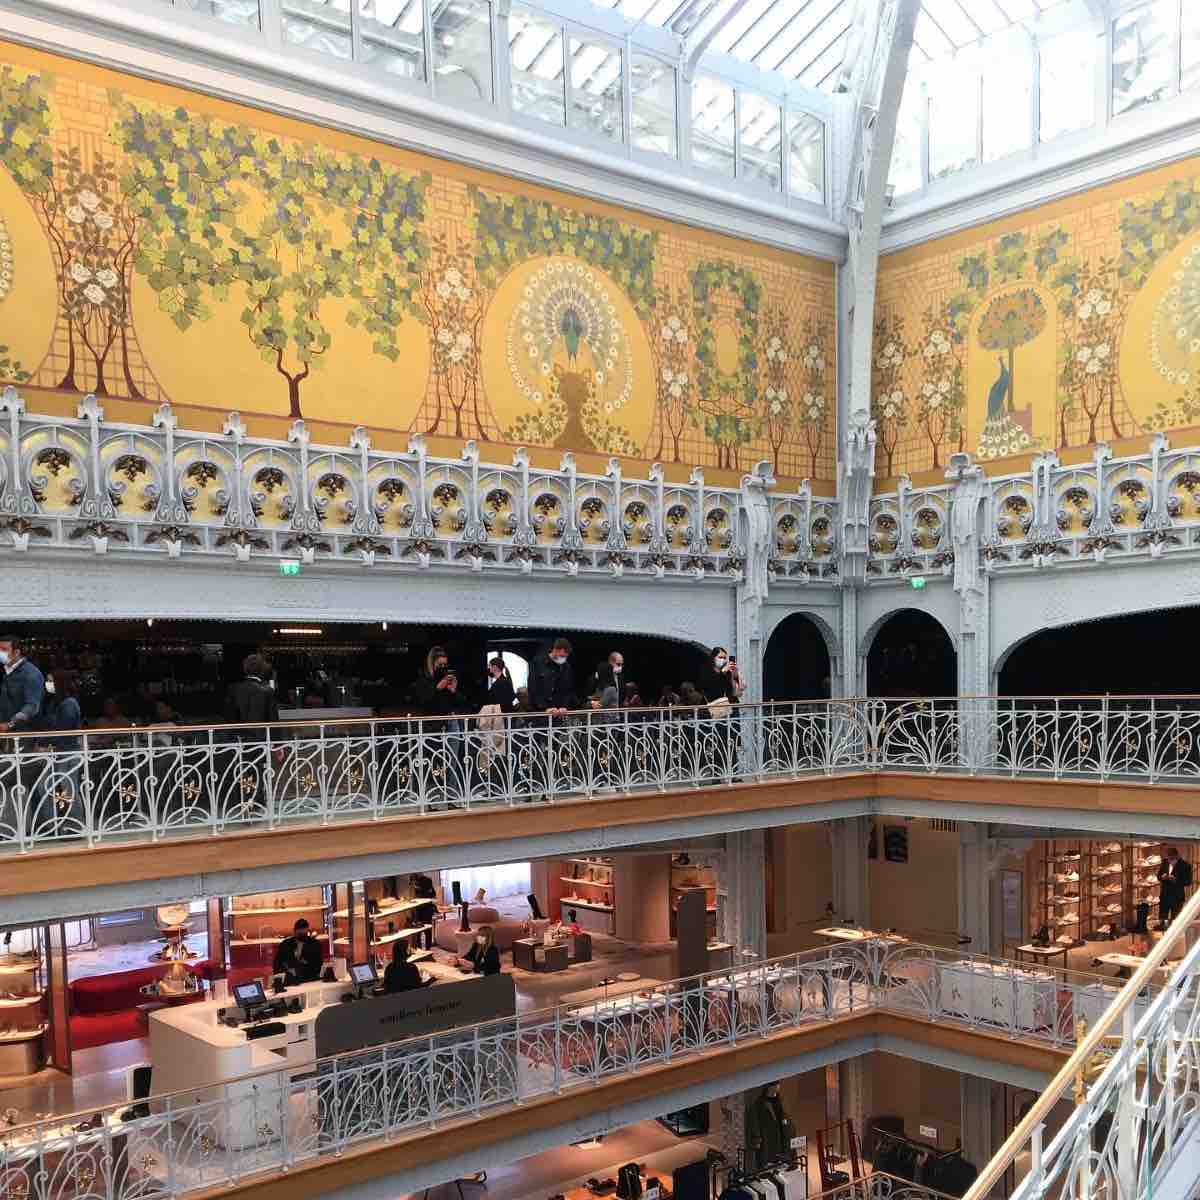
1068, 83
904, 171
536, 50
391, 36
596, 89
953, 120
1190, 36
806, 157
712, 125
762, 140
1007, 105
321, 27
1143, 60
232, 12
653, 108
462, 50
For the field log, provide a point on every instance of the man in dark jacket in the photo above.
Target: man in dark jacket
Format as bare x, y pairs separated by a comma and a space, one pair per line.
552, 681
611, 674
298, 958
1174, 878
252, 701
23, 689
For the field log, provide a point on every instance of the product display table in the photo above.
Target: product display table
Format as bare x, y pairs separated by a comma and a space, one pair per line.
1131, 962
531, 954
606, 992
1043, 954
999, 995
847, 933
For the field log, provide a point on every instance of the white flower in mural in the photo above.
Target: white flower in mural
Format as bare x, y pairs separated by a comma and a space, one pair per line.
599, 376
453, 277
445, 337
1185, 377
79, 272
88, 199
672, 331
533, 352
463, 341
929, 352
608, 407
1094, 367
106, 277
103, 220
443, 290
1083, 354
1104, 307
94, 294
1182, 333
1094, 296
935, 403
455, 353
1102, 350
545, 368
1085, 312
929, 389
463, 294
528, 336
76, 215
775, 351
667, 374
1195, 345
536, 397
944, 386
892, 403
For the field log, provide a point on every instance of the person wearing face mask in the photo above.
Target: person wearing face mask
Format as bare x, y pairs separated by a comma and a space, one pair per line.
251, 705
719, 688
62, 804
717, 681
500, 686
552, 681
483, 958
23, 689
611, 674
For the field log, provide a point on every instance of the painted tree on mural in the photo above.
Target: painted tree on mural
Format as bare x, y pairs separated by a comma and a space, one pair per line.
1089, 381
778, 405
726, 400
889, 403
672, 345
231, 210
1011, 320
941, 398
816, 379
454, 305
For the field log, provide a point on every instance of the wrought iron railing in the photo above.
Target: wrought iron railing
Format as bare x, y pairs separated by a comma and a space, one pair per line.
99, 786
1134, 1083
271, 1121
879, 1185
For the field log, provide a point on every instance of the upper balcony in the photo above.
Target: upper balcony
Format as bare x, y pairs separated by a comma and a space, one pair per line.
97, 809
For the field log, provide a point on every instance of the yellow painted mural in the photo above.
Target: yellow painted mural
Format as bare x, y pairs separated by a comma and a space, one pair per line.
157, 245
1059, 327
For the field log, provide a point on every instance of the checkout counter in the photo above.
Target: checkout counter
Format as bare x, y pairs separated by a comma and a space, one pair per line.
241, 1053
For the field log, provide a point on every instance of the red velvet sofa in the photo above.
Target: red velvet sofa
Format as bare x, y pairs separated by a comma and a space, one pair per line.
104, 1008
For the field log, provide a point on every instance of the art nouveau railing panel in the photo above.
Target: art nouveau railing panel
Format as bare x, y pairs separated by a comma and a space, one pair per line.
207, 1138
1134, 1084
122, 785
104, 486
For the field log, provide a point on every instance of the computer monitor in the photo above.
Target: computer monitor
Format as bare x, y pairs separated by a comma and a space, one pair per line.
249, 995
363, 973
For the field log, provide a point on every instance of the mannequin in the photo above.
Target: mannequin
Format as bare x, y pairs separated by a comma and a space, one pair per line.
769, 1130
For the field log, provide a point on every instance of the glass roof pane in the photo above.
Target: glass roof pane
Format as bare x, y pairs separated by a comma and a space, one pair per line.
748, 29
952, 20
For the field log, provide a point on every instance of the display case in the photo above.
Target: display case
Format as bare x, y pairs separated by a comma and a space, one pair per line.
687, 876
23, 1005
257, 923
1107, 887
1144, 859
1065, 905
588, 888
391, 913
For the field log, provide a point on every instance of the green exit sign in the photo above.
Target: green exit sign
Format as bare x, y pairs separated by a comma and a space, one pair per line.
918, 582
289, 566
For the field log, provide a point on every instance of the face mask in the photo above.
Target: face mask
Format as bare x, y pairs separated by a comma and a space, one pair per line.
720, 660
618, 670
271, 684
555, 658
50, 686
479, 941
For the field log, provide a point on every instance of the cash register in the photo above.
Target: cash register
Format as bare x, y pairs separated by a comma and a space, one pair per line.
255, 1012
365, 978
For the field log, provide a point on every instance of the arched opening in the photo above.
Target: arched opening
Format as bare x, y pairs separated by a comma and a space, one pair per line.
1135, 654
911, 655
796, 662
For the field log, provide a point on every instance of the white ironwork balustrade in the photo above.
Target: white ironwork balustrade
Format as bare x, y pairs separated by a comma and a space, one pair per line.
100, 786
174, 1144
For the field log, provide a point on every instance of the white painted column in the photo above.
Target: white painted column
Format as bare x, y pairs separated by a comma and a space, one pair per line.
851, 884
974, 886
743, 882
976, 1119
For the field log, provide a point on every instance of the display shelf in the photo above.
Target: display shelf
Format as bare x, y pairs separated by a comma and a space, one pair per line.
591, 862
266, 912
408, 932
23, 1001
576, 902
25, 968
23, 1035
419, 955
272, 941
602, 883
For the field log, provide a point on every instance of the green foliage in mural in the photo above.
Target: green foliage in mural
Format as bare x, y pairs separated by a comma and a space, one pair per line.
1009, 257
1155, 227
233, 210
26, 148
973, 271
11, 369
1046, 253
510, 229
726, 400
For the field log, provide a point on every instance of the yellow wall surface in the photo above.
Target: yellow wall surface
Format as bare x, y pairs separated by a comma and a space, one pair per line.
158, 245
919, 898
1062, 326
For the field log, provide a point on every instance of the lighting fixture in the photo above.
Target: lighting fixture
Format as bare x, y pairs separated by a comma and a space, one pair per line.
301, 629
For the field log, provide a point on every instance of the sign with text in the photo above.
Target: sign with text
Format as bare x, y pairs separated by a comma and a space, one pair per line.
380, 1019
